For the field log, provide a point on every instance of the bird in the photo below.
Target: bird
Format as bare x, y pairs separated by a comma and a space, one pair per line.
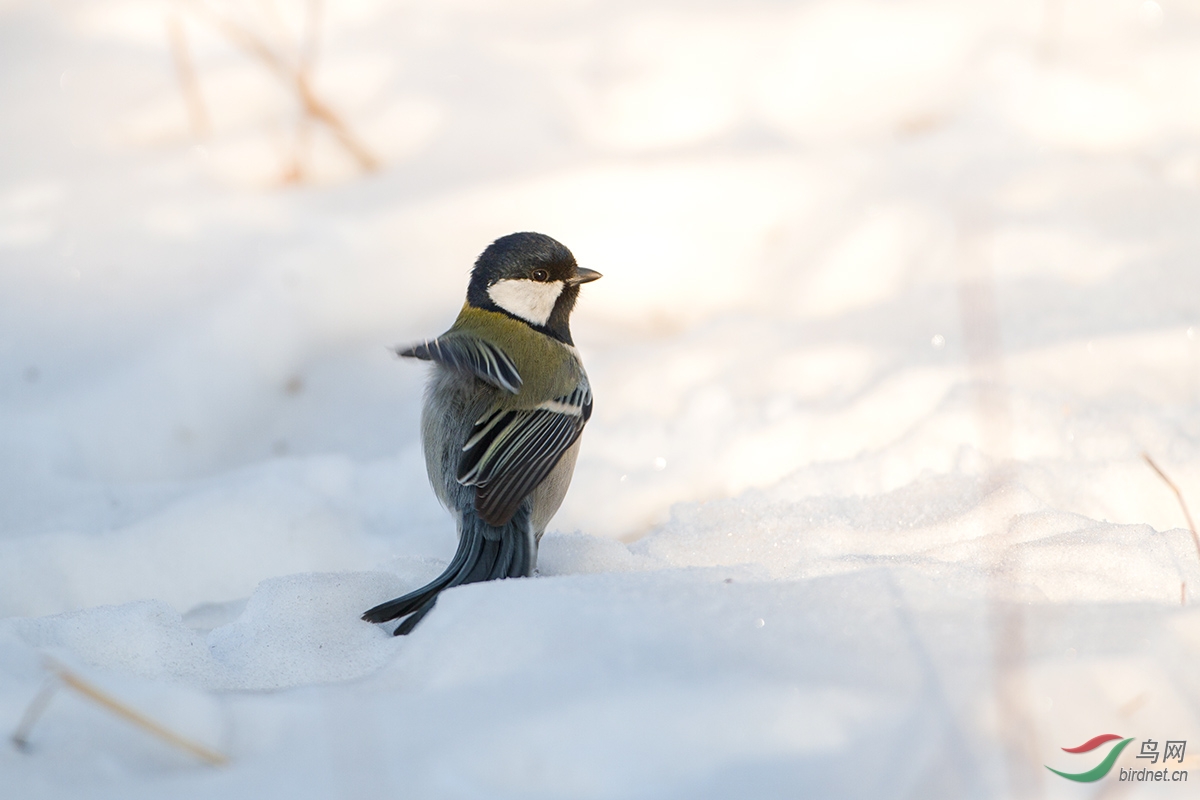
506, 402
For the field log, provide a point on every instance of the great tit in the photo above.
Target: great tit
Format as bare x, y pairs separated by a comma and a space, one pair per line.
504, 407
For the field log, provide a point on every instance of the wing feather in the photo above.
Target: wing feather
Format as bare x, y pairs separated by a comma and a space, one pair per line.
510, 452
470, 354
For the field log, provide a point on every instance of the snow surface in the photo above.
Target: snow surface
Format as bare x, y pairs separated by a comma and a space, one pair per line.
896, 295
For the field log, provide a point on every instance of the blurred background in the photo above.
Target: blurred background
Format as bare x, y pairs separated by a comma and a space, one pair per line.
900, 239
881, 279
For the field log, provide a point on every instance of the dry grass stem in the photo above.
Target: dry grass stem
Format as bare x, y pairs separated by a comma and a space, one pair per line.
296, 78
62, 676
34, 712
1179, 495
1133, 706
188, 83
306, 59
984, 348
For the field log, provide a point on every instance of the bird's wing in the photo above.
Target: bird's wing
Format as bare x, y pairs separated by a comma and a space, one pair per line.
510, 451
470, 354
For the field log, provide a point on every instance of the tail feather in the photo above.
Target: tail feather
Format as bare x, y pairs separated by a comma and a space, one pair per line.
408, 624
523, 558
485, 552
482, 569
503, 558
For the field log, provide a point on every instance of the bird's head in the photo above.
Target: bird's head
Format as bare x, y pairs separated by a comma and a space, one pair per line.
531, 277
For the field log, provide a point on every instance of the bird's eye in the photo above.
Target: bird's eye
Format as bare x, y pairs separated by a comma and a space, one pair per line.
540, 275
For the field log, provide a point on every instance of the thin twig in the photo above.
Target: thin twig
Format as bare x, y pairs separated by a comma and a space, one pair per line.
318, 110
34, 712
1179, 496
188, 83
306, 58
312, 29
296, 78
102, 698
270, 10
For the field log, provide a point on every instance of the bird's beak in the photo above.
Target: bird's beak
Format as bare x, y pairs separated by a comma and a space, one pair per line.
583, 276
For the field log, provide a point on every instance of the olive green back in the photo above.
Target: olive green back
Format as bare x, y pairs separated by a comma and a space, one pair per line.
548, 368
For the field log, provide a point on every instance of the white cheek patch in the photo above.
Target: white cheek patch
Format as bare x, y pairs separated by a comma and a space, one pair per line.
530, 300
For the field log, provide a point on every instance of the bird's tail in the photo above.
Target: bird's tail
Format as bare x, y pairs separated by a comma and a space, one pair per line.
485, 552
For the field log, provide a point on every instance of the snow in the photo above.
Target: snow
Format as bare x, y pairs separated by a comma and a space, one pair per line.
895, 297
